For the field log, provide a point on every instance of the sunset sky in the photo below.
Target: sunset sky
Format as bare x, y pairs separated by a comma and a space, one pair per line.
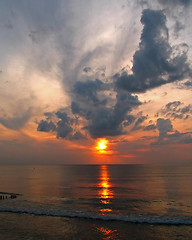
73, 72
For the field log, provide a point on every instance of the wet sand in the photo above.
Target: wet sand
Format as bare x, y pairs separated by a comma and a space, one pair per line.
15, 226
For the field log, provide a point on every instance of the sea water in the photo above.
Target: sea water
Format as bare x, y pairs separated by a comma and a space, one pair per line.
144, 194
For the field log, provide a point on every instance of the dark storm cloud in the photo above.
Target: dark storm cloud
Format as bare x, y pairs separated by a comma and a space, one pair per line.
100, 116
63, 130
88, 89
63, 127
75, 108
107, 121
102, 120
46, 126
176, 110
154, 64
85, 111
63, 116
85, 98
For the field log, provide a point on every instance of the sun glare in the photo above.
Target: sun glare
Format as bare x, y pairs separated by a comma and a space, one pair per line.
102, 145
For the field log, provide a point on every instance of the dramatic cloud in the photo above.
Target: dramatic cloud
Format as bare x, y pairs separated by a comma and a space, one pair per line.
99, 120
129, 120
164, 126
104, 110
166, 136
81, 70
46, 126
109, 121
88, 90
63, 127
176, 110
138, 123
155, 63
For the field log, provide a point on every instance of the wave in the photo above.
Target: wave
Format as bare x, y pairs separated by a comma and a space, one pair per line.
149, 220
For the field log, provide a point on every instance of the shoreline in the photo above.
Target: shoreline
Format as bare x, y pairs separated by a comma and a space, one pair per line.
132, 220
26, 226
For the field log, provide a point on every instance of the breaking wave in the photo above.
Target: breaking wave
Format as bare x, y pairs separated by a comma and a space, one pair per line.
136, 219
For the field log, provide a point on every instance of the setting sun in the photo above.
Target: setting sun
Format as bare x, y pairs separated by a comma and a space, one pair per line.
102, 147
102, 144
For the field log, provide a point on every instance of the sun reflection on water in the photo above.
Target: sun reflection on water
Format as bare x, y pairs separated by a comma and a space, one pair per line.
107, 233
105, 193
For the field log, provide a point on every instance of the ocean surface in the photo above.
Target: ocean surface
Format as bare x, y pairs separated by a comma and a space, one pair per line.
96, 202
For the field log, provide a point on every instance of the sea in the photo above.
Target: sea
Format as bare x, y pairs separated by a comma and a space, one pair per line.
96, 202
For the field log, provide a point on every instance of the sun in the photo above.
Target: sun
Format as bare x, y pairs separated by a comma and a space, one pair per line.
102, 145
